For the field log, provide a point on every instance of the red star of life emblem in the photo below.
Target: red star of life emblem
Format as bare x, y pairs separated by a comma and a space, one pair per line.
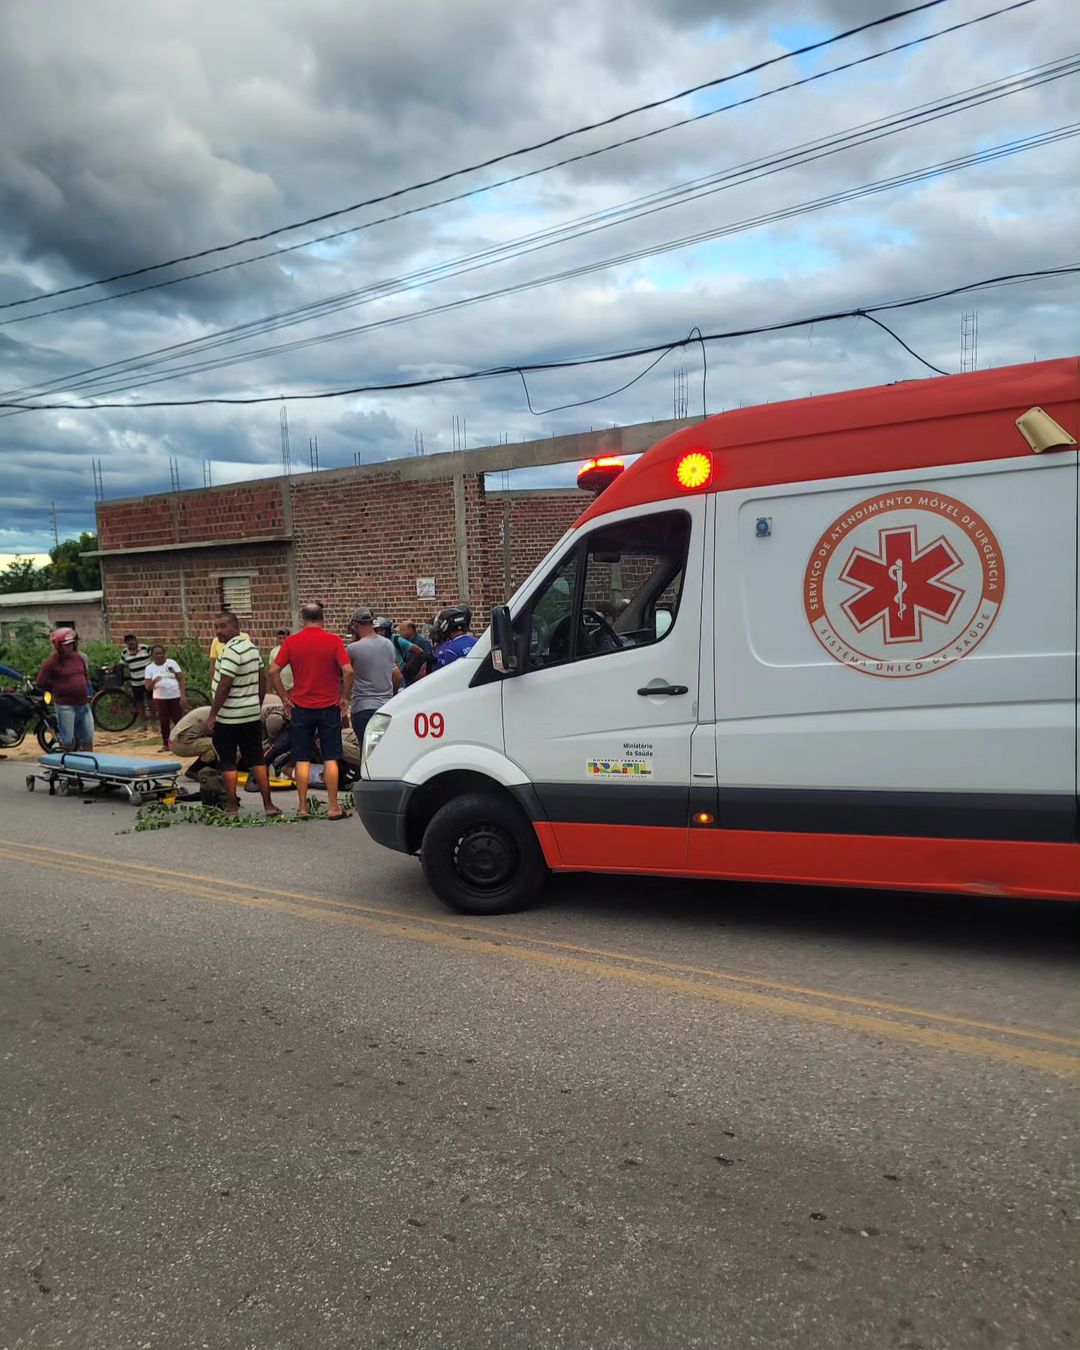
902, 584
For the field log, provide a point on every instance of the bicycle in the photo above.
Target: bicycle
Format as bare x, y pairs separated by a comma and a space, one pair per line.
114, 708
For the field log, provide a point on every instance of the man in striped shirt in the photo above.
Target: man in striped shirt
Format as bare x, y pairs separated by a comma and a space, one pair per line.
136, 657
235, 711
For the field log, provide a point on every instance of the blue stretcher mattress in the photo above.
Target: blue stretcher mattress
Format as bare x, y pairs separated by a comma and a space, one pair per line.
111, 766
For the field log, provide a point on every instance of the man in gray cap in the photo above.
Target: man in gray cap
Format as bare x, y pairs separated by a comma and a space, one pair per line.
376, 677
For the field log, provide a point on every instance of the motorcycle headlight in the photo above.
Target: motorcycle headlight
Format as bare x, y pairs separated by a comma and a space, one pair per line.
375, 730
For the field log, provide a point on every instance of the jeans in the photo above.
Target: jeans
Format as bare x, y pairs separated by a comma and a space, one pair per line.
75, 726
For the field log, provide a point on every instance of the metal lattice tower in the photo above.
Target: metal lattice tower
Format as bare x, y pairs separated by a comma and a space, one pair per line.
174, 473
680, 395
286, 453
969, 340
313, 452
207, 473
99, 479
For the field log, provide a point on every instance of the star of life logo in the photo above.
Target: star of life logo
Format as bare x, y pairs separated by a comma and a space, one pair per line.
904, 583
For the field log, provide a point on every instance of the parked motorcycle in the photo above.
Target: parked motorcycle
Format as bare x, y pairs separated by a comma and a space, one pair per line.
25, 709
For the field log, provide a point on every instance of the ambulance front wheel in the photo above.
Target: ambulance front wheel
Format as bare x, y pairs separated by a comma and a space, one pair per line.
480, 855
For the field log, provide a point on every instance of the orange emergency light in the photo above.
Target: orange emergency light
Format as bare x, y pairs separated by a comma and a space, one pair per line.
597, 474
694, 470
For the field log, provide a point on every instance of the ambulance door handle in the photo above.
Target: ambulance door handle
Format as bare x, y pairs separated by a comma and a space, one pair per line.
651, 689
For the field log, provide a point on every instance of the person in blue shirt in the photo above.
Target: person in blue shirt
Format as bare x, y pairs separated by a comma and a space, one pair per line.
451, 633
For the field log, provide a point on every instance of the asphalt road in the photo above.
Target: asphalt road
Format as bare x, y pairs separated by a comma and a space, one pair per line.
259, 1089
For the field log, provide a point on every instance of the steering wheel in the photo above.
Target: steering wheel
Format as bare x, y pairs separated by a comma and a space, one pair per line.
599, 633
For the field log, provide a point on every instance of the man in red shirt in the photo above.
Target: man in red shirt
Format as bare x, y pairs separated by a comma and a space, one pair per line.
319, 699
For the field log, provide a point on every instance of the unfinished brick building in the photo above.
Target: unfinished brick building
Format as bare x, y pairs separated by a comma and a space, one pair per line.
406, 537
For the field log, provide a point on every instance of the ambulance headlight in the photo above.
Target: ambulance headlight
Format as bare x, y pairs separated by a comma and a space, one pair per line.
375, 730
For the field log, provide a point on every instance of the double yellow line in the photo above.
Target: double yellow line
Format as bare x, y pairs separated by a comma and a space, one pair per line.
883, 1020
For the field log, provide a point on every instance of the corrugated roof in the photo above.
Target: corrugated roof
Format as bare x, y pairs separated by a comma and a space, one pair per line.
50, 597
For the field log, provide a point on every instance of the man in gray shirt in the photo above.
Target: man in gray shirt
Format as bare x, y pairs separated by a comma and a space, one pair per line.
375, 669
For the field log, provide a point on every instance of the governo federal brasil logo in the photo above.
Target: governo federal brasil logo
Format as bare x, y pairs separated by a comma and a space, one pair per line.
904, 583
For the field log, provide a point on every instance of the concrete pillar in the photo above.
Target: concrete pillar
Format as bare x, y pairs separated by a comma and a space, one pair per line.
461, 538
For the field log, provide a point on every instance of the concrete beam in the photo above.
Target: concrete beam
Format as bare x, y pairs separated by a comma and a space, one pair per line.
190, 544
630, 440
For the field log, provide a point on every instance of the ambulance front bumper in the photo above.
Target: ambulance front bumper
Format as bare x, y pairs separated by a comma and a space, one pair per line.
382, 805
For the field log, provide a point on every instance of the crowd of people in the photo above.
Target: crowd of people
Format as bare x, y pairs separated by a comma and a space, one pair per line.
308, 705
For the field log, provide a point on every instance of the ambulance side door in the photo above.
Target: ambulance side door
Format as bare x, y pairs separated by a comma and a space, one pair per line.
602, 717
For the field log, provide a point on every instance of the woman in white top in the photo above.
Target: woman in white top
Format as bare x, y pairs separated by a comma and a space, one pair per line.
165, 683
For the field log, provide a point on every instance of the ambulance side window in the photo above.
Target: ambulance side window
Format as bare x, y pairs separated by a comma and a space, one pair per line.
619, 588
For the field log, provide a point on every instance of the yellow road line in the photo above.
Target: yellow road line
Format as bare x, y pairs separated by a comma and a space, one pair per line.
933, 1038
508, 935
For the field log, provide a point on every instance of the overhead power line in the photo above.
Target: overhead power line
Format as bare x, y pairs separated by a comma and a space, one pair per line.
280, 252
570, 363
491, 161
129, 379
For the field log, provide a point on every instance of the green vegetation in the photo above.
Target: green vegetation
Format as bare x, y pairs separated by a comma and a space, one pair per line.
159, 816
69, 570
27, 645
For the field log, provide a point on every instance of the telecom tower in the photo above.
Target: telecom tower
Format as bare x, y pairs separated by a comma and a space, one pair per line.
286, 454
969, 340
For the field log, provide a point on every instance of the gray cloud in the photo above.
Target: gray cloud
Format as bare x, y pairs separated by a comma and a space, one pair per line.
133, 132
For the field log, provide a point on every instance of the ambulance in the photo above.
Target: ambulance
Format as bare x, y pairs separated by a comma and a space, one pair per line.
829, 641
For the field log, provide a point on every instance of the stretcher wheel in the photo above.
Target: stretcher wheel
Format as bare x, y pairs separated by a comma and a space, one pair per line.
30, 782
62, 787
135, 797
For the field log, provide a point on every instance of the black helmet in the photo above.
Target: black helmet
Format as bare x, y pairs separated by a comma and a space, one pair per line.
383, 625
453, 619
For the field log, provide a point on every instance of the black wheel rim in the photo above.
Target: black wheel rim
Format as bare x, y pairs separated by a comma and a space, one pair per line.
485, 856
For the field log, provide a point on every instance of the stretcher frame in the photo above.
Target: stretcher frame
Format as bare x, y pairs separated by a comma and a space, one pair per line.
155, 784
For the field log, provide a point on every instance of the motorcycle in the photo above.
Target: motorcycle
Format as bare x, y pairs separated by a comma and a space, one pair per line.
24, 709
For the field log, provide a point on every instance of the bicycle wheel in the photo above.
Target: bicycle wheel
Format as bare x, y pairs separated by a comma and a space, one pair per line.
113, 709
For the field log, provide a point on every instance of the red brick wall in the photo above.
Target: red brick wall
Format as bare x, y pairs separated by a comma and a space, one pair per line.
365, 541
241, 511
536, 521
149, 594
356, 540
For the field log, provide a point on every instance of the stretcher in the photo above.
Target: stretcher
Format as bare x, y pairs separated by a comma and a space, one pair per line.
76, 771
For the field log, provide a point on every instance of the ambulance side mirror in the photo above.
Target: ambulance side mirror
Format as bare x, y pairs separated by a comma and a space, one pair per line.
504, 655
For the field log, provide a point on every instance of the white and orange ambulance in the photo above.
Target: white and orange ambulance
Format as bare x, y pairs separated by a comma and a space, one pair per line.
830, 641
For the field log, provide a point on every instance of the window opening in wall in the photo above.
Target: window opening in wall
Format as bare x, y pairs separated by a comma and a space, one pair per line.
236, 594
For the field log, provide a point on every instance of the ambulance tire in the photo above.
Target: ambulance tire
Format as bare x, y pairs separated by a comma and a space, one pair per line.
480, 855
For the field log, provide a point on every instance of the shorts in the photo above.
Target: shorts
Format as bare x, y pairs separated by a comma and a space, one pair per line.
238, 738
74, 726
138, 694
307, 723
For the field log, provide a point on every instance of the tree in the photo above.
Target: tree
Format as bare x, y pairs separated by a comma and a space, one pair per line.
22, 574
70, 570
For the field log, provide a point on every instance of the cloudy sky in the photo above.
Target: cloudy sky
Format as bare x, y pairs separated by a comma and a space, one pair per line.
135, 132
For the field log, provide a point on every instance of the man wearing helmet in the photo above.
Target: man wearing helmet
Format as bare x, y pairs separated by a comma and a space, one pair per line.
65, 676
410, 656
451, 634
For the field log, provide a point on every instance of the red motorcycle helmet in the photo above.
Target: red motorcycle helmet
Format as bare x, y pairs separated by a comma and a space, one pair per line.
59, 636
